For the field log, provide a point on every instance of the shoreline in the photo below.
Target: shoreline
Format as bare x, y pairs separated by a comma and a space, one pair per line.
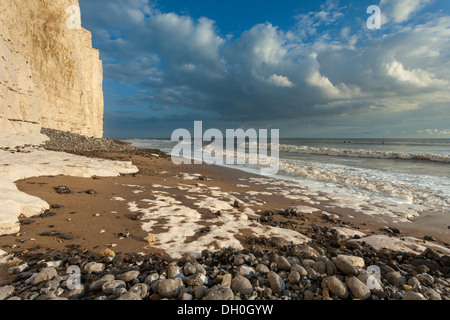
256, 214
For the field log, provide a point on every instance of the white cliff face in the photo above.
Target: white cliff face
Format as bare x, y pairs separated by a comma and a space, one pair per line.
50, 75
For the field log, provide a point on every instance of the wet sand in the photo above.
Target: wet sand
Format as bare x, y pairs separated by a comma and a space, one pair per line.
103, 219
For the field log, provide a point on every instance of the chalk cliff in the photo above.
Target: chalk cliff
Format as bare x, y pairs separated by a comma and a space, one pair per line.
50, 76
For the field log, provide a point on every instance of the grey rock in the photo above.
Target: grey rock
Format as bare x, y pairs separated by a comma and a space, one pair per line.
187, 297
14, 299
240, 259
199, 292
6, 292
111, 287
130, 296
337, 287
94, 267
97, 284
226, 280
197, 280
261, 268
294, 277
425, 279
308, 263
301, 270
308, 295
243, 285
141, 289
152, 278
282, 263
358, 289
312, 274
189, 269
320, 267
128, 276
45, 274
174, 272
168, 288
411, 295
395, 279
246, 271
76, 293
345, 266
276, 282
120, 292
431, 294
219, 293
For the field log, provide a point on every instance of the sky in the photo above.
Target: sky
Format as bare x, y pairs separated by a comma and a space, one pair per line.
312, 69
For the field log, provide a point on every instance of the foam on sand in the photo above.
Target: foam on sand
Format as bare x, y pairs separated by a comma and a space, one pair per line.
179, 229
404, 244
35, 162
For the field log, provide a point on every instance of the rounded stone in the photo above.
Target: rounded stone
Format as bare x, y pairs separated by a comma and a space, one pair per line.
94, 267
358, 289
337, 287
243, 285
110, 287
97, 284
128, 276
219, 293
276, 282
345, 266
168, 288
282, 263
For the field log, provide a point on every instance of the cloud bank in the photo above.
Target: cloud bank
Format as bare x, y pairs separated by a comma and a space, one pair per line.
324, 67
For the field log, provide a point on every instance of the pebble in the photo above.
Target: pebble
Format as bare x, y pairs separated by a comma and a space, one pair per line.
395, 278
276, 282
128, 276
168, 288
282, 263
337, 287
242, 285
263, 269
298, 268
45, 274
111, 287
94, 267
199, 292
425, 279
97, 285
189, 269
411, 295
6, 292
345, 266
246, 271
294, 277
358, 289
130, 296
141, 289
219, 293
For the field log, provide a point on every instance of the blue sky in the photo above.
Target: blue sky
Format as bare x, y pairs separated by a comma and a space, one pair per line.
308, 68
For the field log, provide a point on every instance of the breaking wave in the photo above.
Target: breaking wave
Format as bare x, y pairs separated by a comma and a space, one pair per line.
362, 153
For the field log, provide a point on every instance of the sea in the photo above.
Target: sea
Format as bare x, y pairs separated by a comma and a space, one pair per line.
410, 171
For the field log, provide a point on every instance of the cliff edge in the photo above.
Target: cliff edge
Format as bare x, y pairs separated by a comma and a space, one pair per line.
50, 76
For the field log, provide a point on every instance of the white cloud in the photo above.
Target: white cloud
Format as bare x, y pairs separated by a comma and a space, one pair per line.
435, 132
401, 10
417, 77
281, 81
190, 65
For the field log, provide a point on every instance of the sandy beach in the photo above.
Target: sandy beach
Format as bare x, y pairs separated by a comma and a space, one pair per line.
166, 212
96, 219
